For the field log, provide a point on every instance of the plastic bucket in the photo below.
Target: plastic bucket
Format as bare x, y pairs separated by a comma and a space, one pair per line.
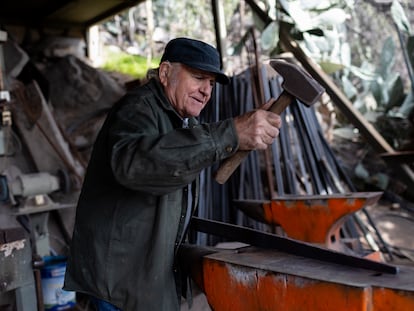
54, 297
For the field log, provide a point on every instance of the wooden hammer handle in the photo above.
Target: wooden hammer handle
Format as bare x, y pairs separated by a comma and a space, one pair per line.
229, 165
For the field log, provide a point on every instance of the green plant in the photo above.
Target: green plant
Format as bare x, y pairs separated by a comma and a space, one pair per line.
369, 67
133, 65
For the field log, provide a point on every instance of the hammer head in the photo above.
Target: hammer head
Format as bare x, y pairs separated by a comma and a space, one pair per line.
298, 82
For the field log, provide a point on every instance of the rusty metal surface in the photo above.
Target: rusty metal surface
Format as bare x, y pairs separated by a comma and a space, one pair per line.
310, 218
257, 279
281, 262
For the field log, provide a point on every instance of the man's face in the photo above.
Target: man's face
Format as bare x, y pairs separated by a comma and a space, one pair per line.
187, 89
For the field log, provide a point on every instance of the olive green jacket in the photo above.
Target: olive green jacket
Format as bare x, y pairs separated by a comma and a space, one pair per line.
129, 218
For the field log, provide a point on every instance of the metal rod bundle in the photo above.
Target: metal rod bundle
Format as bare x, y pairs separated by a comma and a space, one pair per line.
302, 161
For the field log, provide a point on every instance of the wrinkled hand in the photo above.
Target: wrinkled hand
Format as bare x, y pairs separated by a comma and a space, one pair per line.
258, 128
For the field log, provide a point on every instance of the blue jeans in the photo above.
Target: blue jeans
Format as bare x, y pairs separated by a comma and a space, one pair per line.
102, 305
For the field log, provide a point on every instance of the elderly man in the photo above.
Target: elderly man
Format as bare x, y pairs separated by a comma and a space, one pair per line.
134, 206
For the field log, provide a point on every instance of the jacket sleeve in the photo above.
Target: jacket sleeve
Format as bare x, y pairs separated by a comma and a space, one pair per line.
148, 154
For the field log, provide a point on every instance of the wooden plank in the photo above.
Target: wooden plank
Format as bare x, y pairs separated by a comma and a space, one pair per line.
399, 156
48, 148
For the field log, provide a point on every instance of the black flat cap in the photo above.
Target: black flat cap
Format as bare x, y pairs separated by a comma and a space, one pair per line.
195, 54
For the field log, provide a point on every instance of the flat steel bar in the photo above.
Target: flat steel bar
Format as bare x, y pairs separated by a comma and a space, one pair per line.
290, 246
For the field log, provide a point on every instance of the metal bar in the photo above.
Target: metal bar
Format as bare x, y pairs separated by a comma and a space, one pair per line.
350, 225
265, 93
290, 246
216, 6
285, 151
325, 158
275, 92
303, 175
287, 154
321, 163
307, 147
278, 168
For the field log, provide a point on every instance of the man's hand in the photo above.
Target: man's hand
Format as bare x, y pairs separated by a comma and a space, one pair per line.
258, 128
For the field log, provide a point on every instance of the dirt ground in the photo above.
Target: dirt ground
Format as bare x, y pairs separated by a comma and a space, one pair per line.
396, 228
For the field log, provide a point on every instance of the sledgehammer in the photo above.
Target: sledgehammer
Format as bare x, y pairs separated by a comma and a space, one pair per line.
296, 84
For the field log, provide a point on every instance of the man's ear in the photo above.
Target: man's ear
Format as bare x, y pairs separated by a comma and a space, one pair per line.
163, 72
